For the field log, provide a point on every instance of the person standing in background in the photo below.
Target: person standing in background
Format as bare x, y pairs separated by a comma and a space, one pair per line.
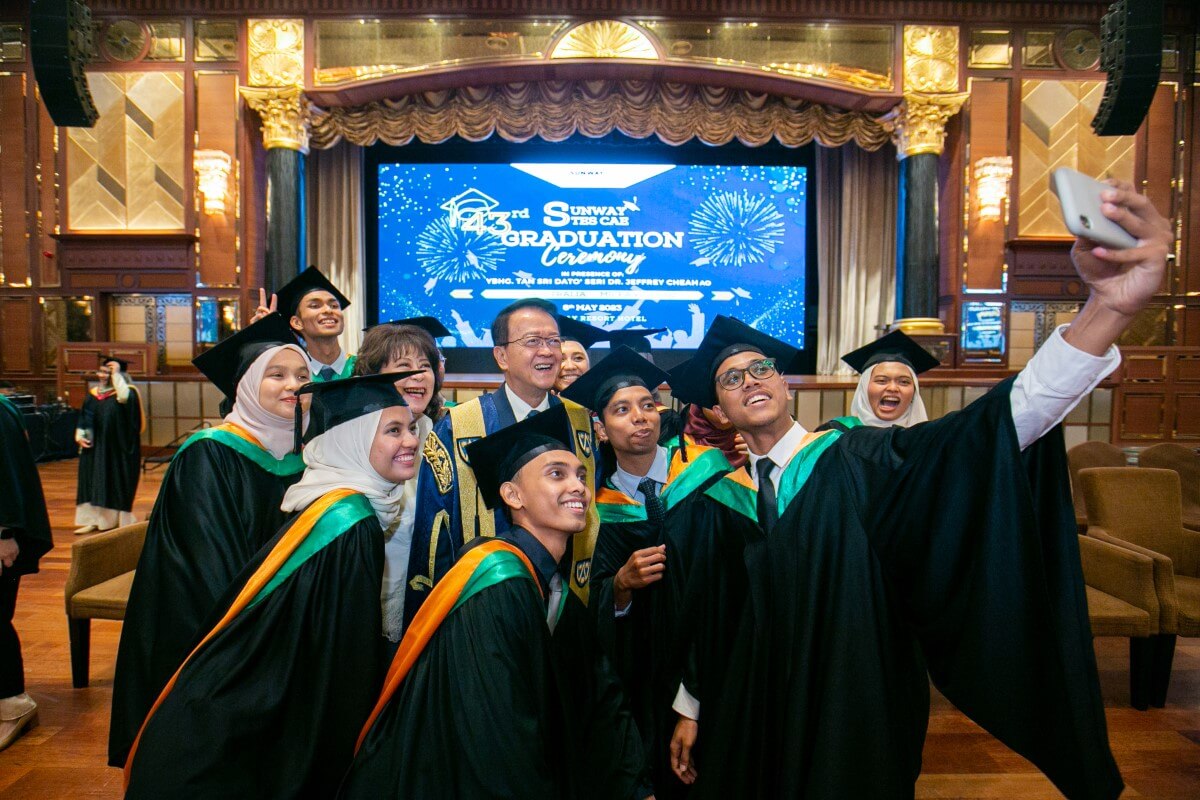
109, 435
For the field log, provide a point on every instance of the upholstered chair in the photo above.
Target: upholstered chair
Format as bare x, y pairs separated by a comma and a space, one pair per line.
1140, 508
1185, 461
1082, 456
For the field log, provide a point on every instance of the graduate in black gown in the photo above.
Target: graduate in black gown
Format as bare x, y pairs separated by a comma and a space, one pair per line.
888, 391
24, 538
885, 552
218, 505
110, 457
268, 704
667, 580
497, 689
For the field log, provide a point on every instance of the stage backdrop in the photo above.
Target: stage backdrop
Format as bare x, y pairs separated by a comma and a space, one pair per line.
615, 244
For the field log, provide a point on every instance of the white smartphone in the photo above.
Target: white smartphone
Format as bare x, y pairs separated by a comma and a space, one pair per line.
1079, 196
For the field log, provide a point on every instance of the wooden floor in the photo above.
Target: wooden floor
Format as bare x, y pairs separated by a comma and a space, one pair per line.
1158, 750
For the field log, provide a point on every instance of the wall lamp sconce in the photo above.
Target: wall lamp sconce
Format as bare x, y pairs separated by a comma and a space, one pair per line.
992, 175
212, 175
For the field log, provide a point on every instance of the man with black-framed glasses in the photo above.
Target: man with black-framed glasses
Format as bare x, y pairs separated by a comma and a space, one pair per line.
450, 510
889, 556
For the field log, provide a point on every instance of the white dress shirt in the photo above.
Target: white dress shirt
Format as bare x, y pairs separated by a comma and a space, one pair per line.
1052, 383
627, 482
315, 367
520, 408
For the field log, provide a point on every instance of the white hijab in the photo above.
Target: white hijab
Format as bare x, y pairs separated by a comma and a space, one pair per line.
860, 406
340, 458
276, 433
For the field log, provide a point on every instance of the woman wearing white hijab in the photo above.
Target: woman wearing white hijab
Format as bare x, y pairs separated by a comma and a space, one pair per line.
219, 503
888, 392
268, 705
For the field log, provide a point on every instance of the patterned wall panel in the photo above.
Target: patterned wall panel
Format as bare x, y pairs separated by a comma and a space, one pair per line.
127, 173
1056, 132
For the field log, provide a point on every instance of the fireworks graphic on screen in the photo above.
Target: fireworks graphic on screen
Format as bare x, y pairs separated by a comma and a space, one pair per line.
732, 229
449, 252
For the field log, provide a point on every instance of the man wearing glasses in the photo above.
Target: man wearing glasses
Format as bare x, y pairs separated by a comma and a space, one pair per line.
450, 509
884, 555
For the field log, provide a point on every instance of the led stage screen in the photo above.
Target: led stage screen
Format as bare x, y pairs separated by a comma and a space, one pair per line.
618, 245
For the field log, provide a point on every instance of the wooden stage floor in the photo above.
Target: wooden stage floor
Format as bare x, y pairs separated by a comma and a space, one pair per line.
1158, 750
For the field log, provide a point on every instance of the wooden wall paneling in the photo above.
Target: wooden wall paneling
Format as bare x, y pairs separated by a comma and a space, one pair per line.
14, 175
989, 134
950, 224
216, 129
1159, 157
1189, 266
16, 345
46, 247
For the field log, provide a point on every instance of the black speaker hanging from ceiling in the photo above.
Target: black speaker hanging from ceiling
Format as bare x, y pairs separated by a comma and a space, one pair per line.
1131, 54
58, 35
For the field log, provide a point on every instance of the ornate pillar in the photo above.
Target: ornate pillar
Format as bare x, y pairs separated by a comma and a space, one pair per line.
276, 93
918, 126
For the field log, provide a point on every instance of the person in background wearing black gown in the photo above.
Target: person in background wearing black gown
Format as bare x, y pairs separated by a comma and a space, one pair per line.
24, 538
268, 704
110, 457
498, 689
218, 505
888, 391
947, 547
664, 594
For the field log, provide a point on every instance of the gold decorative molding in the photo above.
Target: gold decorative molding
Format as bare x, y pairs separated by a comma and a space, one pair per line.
930, 58
918, 123
605, 38
284, 112
276, 52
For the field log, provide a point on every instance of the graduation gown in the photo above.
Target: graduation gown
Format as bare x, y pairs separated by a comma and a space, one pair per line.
449, 509
496, 705
109, 469
219, 504
22, 504
268, 705
939, 546
672, 625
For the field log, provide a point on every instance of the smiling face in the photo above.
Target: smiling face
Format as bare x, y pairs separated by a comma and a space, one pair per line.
319, 316
630, 422
890, 390
529, 371
574, 363
417, 389
286, 372
759, 403
549, 495
394, 450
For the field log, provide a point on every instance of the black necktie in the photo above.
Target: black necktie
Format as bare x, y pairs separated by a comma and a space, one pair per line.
768, 505
327, 373
654, 506
533, 412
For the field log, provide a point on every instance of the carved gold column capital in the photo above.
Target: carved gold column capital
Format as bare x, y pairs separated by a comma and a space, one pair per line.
918, 123
285, 115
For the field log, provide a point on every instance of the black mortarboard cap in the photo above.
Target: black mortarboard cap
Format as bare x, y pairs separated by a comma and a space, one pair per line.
694, 380
895, 346
335, 402
431, 325
105, 358
633, 338
311, 280
226, 362
577, 331
498, 457
621, 368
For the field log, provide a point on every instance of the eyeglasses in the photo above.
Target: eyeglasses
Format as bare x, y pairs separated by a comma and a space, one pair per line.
537, 342
731, 379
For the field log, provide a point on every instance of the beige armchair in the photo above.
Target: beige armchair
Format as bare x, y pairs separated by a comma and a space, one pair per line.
98, 587
1122, 602
1185, 461
1139, 508
1083, 456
